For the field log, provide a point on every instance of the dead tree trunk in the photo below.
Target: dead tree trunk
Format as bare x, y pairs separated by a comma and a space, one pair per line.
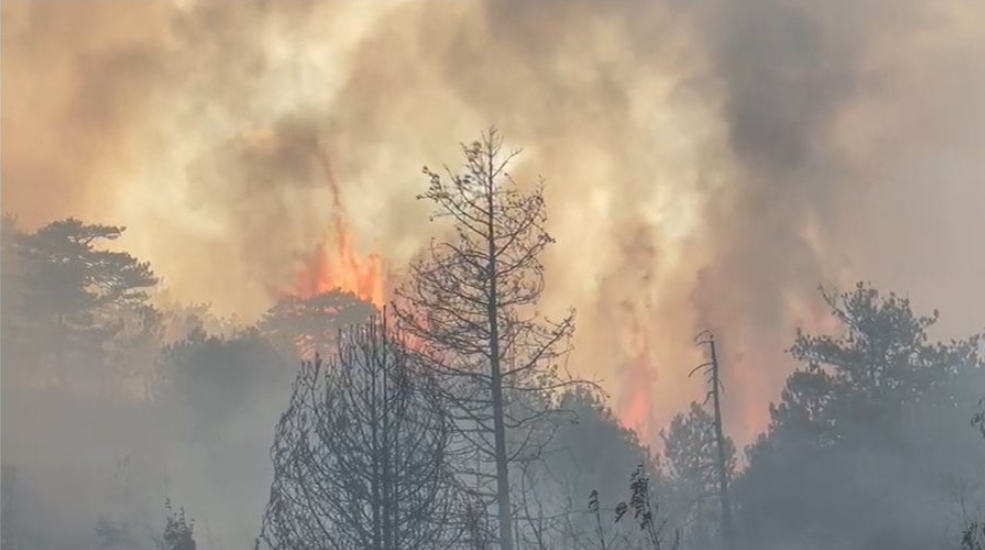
468, 304
721, 467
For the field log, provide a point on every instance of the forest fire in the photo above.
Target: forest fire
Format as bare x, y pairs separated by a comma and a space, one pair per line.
336, 264
339, 267
634, 407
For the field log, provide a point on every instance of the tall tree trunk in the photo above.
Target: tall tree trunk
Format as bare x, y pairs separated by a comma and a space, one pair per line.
499, 425
726, 527
375, 483
389, 506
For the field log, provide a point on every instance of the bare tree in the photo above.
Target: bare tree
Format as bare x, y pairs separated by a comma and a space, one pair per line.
479, 533
722, 445
470, 303
359, 455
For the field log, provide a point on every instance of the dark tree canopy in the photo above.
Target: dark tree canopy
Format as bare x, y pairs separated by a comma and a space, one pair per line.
78, 304
691, 462
303, 327
360, 454
591, 449
590, 456
212, 381
72, 280
867, 418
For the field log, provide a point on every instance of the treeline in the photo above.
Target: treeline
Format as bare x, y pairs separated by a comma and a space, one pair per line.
447, 421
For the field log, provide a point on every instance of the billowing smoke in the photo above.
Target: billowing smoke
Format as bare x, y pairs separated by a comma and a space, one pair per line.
708, 164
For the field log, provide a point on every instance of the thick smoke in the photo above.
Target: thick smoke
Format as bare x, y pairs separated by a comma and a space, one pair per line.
707, 164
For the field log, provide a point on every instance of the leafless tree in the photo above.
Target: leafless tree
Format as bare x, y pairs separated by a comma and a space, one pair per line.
471, 305
722, 446
359, 455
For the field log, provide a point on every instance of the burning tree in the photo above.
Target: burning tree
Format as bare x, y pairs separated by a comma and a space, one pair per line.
306, 326
359, 455
470, 305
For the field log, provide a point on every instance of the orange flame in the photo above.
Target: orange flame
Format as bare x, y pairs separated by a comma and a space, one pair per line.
337, 265
635, 406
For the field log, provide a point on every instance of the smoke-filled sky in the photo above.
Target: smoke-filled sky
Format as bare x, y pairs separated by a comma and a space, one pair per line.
707, 164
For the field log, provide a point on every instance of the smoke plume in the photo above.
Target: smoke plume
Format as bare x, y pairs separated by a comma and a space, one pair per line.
707, 164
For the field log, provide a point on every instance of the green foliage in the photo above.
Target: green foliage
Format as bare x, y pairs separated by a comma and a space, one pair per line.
75, 304
591, 450
691, 460
881, 363
590, 453
78, 285
870, 416
855, 386
689, 449
214, 380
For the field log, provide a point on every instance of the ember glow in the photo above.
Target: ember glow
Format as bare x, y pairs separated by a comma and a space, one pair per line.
635, 405
336, 263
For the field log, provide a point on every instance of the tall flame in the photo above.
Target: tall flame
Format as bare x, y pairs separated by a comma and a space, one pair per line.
635, 405
337, 265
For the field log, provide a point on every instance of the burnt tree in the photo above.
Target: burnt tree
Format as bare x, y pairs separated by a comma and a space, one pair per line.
471, 305
359, 455
722, 445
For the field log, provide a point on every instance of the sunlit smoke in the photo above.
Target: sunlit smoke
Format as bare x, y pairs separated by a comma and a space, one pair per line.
767, 145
